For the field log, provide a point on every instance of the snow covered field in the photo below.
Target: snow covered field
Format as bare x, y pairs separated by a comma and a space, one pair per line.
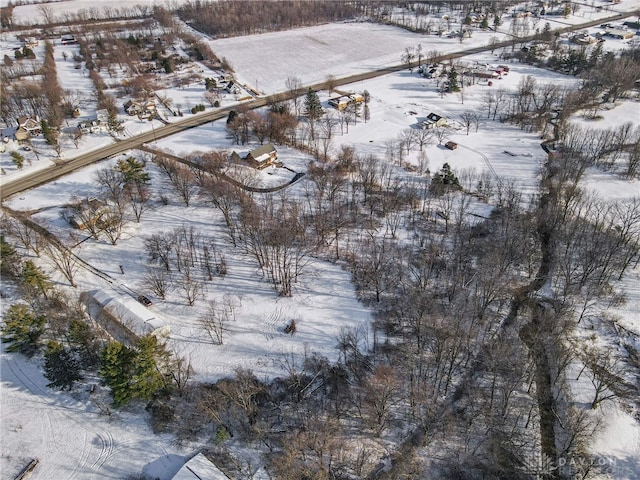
69, 436
350, 48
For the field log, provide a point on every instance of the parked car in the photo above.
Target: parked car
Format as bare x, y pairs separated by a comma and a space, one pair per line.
144, 300
451, 145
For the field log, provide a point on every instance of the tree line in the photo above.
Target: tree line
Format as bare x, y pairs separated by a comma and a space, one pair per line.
230, 18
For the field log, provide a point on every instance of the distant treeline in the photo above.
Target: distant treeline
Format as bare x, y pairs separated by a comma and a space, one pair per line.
231, 18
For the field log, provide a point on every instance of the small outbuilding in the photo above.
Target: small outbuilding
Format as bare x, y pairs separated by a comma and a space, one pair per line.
451, 145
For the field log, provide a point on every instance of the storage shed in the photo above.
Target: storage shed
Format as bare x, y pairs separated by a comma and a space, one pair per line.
123, 317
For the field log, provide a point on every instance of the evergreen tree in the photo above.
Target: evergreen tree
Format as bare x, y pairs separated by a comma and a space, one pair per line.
312, 105
443, 181
485, 23
9, 259
210, 84
60, 366
146, 378
134, 373
133, 171
453, 80
167, 64
17, 158
113, 124
117, 363
84, 342
22, 329
34, 278
49, 133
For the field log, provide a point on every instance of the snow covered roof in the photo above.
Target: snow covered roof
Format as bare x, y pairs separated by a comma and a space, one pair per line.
199, 468
263, 153
133, 315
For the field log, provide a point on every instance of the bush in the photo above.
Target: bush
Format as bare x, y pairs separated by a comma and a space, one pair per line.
198, 108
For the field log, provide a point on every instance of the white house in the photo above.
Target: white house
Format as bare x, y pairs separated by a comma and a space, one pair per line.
434, 120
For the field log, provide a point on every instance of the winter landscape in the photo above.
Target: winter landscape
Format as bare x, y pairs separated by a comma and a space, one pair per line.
320, 240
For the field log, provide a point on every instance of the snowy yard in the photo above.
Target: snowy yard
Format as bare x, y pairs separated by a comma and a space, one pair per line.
70, 437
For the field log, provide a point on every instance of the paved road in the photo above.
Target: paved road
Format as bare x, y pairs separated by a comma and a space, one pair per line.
41, 177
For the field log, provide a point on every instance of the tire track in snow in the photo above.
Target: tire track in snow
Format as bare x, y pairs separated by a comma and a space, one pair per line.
486, 161
23, 379
107, 450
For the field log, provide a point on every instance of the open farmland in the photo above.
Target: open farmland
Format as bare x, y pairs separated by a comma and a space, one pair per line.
337, 50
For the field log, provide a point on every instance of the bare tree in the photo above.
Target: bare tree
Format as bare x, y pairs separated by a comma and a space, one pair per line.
605, 371
327, 126
407, 138
158, 281
190, 284
441, 133
112, 184
467, 119
215, 320
138, 197
408, 56
111, 223
184, 182
295, 90
331, 84
212, 97
29, 238
181, 372
158, 248
226, 198
424, 137
46, 11
63, 258
274, 235
379, 394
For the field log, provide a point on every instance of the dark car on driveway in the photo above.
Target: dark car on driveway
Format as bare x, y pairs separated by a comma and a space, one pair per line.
145, 301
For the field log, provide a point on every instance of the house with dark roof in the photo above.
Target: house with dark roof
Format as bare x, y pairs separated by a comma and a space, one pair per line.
434, 120
262, 157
